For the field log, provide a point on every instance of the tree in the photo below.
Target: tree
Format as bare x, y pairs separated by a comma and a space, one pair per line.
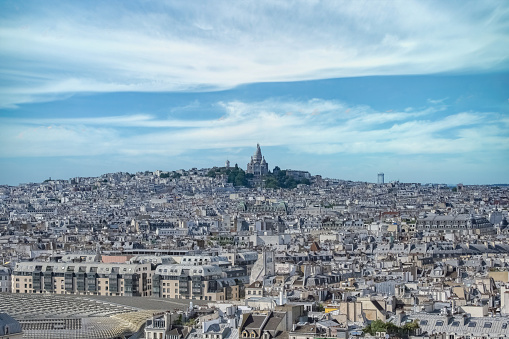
390, 328
240, 179
375, 326
191, 322
178, 321
305, 181
411, 327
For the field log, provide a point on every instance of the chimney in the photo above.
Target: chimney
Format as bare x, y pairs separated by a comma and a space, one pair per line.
167, 321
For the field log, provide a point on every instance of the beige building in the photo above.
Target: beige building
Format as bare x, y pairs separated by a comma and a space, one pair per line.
255, 289
83, 278
205, 282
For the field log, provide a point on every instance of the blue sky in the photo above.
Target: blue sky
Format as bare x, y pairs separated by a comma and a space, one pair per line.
346, 89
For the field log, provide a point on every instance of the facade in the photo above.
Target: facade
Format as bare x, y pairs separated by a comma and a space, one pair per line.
257, 166
254, 289
161, 327
462, 223
83, 278
298, 175
198, 260
205, 282
5, 280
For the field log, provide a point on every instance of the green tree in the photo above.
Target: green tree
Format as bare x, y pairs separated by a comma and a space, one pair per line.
411, 327
240, 179
390, 328
178, 321
375, 326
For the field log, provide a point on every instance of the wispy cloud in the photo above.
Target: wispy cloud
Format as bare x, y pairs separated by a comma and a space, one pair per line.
52, 51
338, 128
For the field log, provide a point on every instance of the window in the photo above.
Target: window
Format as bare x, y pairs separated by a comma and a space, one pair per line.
487, 325
439, 323
472, 324
455, 324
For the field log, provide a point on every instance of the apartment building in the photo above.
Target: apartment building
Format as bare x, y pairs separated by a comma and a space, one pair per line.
5, 280
460, 223
205, 282
83, 278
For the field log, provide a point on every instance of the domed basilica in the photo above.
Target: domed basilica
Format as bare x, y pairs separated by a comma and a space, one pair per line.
258, 166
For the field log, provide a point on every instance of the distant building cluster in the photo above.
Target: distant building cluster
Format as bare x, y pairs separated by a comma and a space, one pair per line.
332, 259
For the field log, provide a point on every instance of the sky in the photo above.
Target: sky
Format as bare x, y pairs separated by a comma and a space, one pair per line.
418, 90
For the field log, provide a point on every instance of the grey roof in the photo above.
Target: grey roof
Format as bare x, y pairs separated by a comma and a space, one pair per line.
101, 268
254, 321
328, 323
274, 321
13, 325
213, 328
486, 326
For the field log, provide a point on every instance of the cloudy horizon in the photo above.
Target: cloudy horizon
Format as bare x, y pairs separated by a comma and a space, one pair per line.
417, 90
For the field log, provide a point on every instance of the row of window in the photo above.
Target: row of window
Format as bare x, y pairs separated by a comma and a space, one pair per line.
457, 324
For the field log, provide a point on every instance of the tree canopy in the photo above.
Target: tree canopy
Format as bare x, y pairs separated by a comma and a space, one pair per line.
238, 177
390, 328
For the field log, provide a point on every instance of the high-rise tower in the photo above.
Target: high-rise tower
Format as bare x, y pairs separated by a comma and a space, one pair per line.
380, 178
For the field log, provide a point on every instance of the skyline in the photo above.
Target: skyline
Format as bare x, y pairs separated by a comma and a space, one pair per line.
346, 90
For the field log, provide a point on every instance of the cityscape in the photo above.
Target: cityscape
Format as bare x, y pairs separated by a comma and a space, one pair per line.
254, 170
253, 253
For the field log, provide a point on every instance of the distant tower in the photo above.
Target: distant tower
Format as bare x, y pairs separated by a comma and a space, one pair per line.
380, 178
227, 164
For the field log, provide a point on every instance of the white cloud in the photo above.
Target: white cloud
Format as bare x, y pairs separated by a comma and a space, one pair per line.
315, 126
49, 52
